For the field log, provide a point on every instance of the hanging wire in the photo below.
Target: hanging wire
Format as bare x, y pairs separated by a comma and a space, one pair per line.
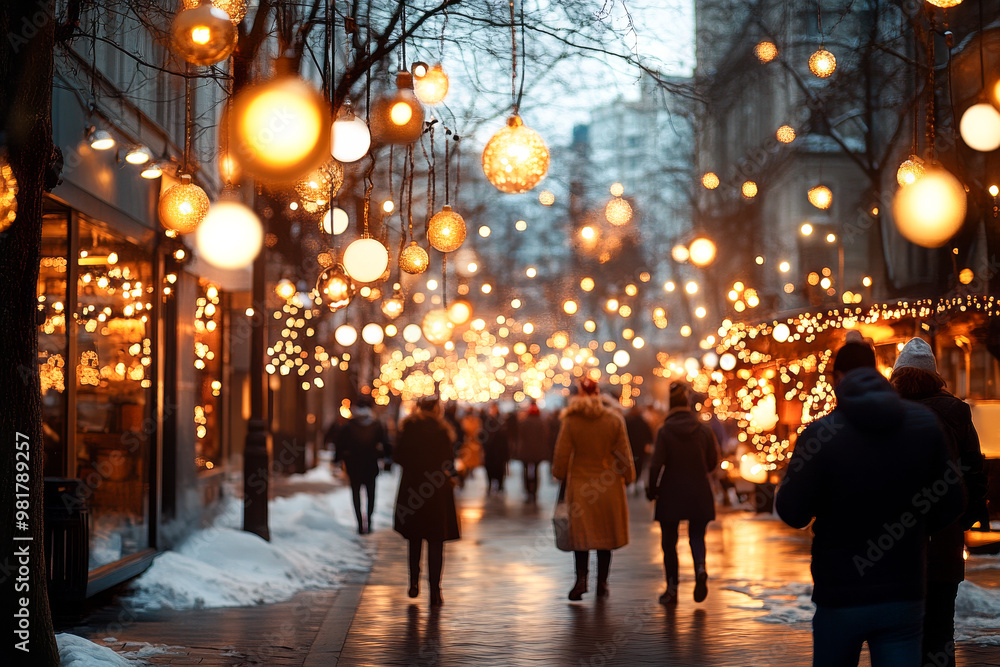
819, 22
458, 166
187, 119
524, 59
444, 27
447, 164
513, 59
982, 62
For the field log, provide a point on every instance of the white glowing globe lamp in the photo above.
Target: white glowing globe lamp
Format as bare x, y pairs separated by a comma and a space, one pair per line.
350, 139
764, 415
692, 366
335, 221
412, 333
980, 127
621, 358
932, 210
751, 470
781, 332
701, 252
372, 334
727, 361
345, 335
230, 237
710, 360
365, 260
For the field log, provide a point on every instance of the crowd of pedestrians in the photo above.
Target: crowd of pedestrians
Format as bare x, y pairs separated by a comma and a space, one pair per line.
887, 482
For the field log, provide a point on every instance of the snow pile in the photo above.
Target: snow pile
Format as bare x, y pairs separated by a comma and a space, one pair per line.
313, 543
977, 614
784, 602
78, 652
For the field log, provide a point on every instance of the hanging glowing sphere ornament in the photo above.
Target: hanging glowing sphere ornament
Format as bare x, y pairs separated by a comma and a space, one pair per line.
393, 306
183, 206
437, 327
932, 210
749, 189
618, 212
285, 289
515, 158
235, 9
350, 137
230, 236
413, 259
372, 334
366, 260
335, 287
980, 127
429, 84
279, 130
203, 35
321, 184
785, 134
822, 63
399, 118
910, 170
710, 180
944, 4
765, 51
701, 252
680, 253
446, 230
335, 221
345, 335
459, 311
820, 196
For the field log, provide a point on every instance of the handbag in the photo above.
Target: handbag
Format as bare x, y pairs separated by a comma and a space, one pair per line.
560, 521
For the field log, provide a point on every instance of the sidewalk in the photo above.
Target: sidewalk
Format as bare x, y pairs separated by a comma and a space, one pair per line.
505, 603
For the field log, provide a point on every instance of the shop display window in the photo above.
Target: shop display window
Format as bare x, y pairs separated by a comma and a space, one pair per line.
113, 330
53, 343
208, 325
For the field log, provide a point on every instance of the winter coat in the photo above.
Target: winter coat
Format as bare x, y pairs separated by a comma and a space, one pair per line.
684, 456
945, 563
877, 476
639, 435
359, 444
533, 439
425, 503
594, 460
496, 445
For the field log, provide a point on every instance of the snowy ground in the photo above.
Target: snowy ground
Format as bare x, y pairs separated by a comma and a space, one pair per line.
314, 541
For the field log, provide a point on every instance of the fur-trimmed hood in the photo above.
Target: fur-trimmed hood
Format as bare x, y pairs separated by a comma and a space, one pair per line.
589, 407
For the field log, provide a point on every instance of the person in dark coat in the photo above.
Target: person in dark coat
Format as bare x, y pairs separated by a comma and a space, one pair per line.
359, 446
685, 454
425, 504
639, 437
532, 448
873, 477
915, 377
496, 448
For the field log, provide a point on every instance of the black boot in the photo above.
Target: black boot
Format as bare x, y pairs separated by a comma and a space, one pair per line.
603, 568
582, 571
700, 583
414, 567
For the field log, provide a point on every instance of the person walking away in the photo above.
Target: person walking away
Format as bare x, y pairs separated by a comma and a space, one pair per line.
532, 448
915, 377
425, 503
593, 459
639, 438
873, 477
685, 454
470, 452
359, 446
496, 448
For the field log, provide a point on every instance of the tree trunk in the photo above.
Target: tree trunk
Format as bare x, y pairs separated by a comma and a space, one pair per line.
26, 62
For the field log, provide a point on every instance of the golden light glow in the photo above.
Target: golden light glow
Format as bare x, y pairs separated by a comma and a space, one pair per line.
930, 211
322, 184
183, 206
203, 35
138, 155
765, 51
437, 327
8, 194
446, 230
401, 113
569, 307
413, 259
822, 63
520, 225
279, 130
785, 134
431, 86
910, 169
749, 189
701, 252
459, 311
515, 158
399, 118
285, 289
618, 212
611, 305
691, 287
806, 229
230, 236
784, 267
587, 233
820, 196
530, 272
546, 198
945, 4
484, 231
680, 253
700, 312
587, 284
994, 191
966, 276
350, 137
980, 127
365, 260
685, 331
710, 180
235, 9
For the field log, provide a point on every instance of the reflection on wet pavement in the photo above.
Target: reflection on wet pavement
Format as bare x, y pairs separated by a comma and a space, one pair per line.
505, 589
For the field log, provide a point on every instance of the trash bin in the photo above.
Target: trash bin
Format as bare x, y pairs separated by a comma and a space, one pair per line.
67, 538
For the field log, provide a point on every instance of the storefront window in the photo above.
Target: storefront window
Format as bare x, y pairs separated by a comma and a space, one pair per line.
208, 371
52, 339
114, 329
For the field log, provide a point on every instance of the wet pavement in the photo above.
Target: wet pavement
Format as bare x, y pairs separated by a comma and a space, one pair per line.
505, 589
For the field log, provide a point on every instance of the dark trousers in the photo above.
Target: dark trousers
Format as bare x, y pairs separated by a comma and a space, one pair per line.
668, 540
939, 624
368, 481
531, 479
582, 562
435, 562
892, 630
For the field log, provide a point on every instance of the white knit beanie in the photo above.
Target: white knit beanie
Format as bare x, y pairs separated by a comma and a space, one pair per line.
916, 354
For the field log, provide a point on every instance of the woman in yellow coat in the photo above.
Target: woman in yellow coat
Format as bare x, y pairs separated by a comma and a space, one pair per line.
593, 459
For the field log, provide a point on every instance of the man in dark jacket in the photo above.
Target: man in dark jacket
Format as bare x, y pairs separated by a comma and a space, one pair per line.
639, 437
915, 377
360, 443
876, 476
684, 455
